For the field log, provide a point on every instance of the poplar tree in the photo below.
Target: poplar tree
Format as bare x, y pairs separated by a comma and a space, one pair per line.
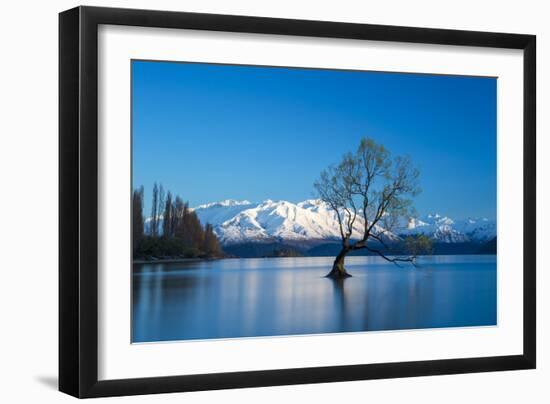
137, 218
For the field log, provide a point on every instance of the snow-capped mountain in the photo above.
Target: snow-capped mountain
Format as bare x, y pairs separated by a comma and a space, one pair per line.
446, 230
313, 220
217, 213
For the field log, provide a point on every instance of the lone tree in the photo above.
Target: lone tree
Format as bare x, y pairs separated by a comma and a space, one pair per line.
370, 193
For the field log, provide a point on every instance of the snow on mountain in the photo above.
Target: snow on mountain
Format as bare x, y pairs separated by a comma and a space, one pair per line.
446, 230
238, 222
218, 212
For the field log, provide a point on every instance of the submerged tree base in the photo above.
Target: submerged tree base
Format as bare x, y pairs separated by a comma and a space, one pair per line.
338, 273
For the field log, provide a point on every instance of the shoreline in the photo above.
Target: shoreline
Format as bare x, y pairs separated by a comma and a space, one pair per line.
175, 260
182, 260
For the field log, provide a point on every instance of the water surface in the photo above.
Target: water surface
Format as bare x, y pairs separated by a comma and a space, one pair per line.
287, 296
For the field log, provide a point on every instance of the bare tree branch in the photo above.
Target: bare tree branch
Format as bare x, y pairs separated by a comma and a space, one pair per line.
394, 260
379, 239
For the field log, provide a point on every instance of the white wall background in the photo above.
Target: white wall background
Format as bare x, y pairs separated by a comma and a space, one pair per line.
28, 202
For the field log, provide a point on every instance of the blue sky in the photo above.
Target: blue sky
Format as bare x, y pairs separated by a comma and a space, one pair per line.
212, 132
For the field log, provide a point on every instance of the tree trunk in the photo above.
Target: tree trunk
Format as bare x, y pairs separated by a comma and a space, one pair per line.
338, 271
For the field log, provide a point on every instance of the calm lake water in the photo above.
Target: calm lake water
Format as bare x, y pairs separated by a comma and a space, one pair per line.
284, 296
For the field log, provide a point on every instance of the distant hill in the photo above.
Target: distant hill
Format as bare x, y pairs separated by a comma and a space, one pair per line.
258, 250
490, 247
331, 249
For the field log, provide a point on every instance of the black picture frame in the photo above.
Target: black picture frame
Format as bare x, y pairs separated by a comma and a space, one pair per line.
78, 201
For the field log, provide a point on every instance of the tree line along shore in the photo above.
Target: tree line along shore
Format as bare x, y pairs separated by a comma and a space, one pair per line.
172, 231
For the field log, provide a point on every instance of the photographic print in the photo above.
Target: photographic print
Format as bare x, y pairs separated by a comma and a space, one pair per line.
279, 201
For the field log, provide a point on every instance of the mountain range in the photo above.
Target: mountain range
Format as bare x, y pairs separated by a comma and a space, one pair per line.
313, 222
